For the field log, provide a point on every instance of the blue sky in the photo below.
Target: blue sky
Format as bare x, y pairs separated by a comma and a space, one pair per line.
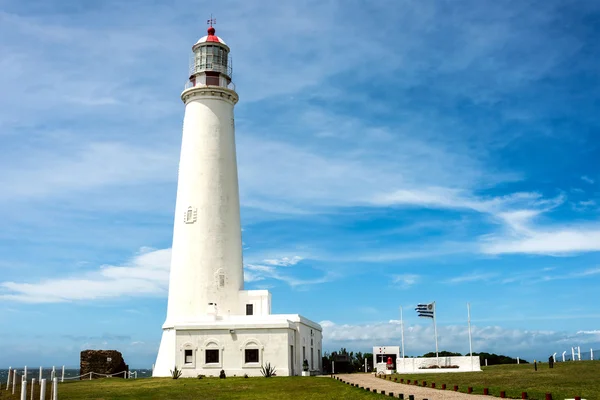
389, 153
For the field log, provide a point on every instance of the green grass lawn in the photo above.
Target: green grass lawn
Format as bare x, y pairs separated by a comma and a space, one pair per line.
565, 380
297, 388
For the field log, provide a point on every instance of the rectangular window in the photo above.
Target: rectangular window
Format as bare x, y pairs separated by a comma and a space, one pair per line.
189, 356
251, 356
303, 353
212, 356
311, 358
249, 309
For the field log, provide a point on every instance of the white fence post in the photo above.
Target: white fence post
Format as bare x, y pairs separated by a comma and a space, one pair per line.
55, 389
8, 378
40, 375
563, 355
14, 380
592, 354
53, 374
579, 353
518, 360
43, 390
32, 386
62, 378
486, 362
572, 353
24, 389
90, 376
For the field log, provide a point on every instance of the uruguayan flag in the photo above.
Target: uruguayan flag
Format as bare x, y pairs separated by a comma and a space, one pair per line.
426, 310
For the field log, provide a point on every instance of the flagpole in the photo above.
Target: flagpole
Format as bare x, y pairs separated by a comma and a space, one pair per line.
470, 341
435, 333
402, 331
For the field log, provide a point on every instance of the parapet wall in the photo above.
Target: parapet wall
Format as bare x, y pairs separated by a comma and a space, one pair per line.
445, 364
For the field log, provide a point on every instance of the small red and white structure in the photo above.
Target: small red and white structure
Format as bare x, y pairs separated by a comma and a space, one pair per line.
385, 359
212, 323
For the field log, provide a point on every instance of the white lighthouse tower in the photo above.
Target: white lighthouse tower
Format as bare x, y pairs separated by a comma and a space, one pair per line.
212, 323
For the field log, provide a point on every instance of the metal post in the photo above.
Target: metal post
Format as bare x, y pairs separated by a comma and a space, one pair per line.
24, 389
470, 342
53, 374
518, 361
435, 334
14, 381
333, 367
563, 355
402, 332
554, 357
592, 354
55, 389
43, 389
572, 354
90, 376
32, 386
40, 375
579, 353
62, 377
25, 372
8, 378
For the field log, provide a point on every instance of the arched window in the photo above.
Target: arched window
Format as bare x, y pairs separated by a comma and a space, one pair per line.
213, 354
188, 355
252, 351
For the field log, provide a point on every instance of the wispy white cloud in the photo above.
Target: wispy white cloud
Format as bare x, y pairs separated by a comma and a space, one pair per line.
473, 277
560, 241
588, 179
146, 274
405, 280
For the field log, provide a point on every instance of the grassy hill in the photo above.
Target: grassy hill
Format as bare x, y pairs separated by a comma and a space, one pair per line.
297, 388
564, 381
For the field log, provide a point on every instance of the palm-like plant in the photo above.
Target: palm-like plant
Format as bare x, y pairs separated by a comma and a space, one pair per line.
267, 370
176, 373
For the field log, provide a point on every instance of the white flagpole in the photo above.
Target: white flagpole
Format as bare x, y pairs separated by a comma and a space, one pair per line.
470, 342
402, 330
435, 333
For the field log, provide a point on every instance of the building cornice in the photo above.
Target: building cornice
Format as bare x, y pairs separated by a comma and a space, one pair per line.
199, 92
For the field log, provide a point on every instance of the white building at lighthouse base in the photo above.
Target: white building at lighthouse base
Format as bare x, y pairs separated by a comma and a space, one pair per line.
241, 344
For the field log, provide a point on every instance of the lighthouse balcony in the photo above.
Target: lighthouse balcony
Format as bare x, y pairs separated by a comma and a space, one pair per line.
220, 67
207, 81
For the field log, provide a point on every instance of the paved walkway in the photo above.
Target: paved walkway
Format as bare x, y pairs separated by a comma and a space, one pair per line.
420, 393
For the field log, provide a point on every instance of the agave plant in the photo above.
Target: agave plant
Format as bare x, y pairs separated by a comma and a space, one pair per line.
267, 370
176, 373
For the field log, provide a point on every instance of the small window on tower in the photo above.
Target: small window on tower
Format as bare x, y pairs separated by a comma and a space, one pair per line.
212, 80
249, 309
189, 356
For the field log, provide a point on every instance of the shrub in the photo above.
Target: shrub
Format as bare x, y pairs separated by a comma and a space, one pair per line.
222, 374
245, 375
267, 370
175, 373
200, 376
305, 365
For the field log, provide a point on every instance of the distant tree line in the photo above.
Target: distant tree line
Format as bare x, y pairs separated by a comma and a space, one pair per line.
347, 362
492, 359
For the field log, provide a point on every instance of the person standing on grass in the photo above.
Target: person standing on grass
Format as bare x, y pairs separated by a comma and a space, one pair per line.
551, 362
